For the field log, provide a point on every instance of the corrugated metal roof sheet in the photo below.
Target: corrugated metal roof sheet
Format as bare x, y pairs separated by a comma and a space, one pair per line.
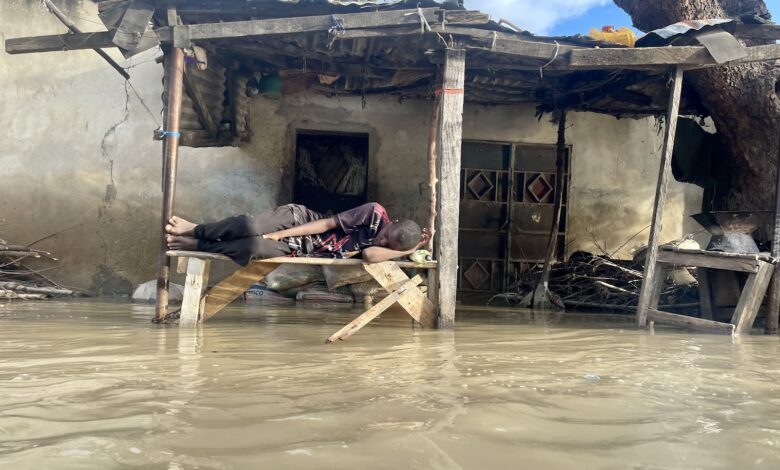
670, 33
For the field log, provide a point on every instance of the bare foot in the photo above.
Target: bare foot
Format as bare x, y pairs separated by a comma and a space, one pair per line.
179, 226
176, 242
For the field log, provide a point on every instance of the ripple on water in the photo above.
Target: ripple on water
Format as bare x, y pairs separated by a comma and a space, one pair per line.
95, 385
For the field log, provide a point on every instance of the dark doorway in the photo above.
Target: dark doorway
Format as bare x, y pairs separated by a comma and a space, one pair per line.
506, 211
331, 170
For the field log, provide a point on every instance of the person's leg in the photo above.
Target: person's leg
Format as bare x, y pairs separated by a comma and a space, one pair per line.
244, 226
244, 250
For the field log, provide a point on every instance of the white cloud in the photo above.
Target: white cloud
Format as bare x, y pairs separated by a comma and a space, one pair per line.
536, 16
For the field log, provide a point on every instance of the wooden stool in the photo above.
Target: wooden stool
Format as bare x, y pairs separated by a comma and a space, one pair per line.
758, 266
198, 307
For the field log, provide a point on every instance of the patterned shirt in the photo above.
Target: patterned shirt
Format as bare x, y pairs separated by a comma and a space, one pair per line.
356, 230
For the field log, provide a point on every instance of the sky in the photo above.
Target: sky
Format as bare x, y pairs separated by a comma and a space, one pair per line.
564, 17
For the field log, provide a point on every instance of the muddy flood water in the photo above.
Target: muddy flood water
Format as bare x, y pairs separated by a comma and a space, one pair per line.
94, 385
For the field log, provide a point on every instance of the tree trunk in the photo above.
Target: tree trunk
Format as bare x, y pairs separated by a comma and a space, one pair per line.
742, 101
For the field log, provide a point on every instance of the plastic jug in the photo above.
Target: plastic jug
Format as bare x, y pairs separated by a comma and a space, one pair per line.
622, 35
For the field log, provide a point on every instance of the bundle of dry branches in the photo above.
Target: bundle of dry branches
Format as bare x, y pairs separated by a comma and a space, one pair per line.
588, 281
20, 281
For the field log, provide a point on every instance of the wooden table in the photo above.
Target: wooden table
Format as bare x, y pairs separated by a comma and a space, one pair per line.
758, 266
198, 307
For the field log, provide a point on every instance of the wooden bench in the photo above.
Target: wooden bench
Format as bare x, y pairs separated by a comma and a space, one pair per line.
197, 306
758, 266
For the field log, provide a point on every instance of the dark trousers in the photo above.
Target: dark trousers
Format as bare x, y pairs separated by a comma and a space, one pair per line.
241, 237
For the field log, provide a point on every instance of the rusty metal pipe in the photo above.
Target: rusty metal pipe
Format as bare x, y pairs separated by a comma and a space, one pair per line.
170, 159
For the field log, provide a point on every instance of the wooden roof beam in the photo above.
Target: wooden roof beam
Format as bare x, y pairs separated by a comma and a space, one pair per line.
756, 31
688, 57
238, 29
59, 42
543, 51
68, 42
184, 34
640, 58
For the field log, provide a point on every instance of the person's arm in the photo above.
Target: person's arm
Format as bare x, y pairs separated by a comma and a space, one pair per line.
377, 254
312, 228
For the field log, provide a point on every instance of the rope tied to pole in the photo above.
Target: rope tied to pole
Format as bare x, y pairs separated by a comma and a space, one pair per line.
337, 29
448, 91
555, 56
163, 134
424, 25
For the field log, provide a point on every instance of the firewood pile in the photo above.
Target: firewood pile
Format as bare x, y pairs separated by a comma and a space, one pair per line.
20, 281
598, 282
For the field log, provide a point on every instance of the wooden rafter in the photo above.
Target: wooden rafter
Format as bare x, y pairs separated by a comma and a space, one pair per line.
199, 103
757, 31
68, 42
690, 56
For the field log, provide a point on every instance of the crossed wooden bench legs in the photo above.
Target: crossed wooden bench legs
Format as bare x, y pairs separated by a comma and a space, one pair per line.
744, 314
197, 307
401, 289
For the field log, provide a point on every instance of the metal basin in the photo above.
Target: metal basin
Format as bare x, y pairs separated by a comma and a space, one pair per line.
731, 230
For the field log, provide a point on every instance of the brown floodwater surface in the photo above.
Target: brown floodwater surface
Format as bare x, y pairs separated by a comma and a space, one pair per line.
88, 384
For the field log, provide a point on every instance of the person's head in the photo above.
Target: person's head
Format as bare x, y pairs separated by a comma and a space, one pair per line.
400, 235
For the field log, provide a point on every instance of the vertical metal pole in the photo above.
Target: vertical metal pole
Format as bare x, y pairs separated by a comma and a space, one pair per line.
646, 296
170, 159
773, 315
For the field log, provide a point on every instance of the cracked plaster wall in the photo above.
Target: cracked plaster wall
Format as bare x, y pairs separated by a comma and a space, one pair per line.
81, 169
614, 163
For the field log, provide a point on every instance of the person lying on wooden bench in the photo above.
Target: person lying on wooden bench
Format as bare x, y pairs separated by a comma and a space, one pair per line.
294, 230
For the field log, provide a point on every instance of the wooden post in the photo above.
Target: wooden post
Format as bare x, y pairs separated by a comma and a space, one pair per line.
645, 297
540, 296
751, 298
433, 137
773, 314
450, 137
433, 181
197, 279
170, 157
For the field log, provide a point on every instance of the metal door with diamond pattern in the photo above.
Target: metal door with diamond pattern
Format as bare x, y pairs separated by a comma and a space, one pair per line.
506, 209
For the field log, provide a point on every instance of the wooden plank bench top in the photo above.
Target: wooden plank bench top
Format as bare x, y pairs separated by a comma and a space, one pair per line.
764, 256
744, 262
198, 307
299, 260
